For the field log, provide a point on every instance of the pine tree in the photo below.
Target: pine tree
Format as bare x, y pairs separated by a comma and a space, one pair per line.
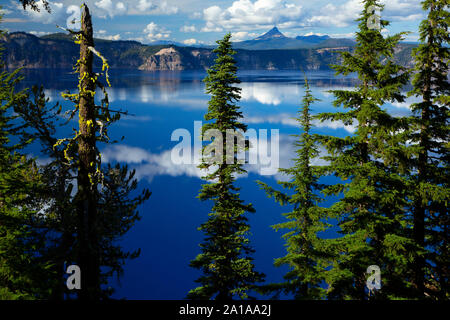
371, 211
56, 205
304, 256
22, 269
429, 146
225, 261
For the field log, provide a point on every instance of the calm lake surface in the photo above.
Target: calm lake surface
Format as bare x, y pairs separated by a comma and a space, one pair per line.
161, 102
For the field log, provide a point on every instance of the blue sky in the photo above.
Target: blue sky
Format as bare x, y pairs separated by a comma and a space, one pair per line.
199, 21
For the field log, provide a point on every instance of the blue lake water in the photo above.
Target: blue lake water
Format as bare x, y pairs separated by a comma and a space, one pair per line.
161, 102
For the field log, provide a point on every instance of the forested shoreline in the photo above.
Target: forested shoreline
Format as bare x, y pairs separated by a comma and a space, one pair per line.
58, 51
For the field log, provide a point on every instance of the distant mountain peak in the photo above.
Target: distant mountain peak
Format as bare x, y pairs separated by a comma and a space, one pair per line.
274, 29
273, 33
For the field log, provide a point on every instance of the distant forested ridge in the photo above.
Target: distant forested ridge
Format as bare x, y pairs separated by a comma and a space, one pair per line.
59, 51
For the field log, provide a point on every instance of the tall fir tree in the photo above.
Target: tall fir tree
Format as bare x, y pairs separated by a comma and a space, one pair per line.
372, 210
305, 255
225, 260
429, 151
23, 271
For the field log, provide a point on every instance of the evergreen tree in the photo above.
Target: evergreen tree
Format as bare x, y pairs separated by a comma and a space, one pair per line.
429, 148
372, 210
304, 247
22, 269
56, 205
225, 261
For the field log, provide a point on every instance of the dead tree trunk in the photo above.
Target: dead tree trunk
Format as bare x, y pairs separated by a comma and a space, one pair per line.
88, 253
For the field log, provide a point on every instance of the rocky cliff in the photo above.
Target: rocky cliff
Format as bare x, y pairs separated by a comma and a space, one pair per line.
178, 58
59, 51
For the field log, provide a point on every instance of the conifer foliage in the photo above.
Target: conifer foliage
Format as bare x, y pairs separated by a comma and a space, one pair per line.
225, 260
304, 257
429, 151
22, 269
371, 211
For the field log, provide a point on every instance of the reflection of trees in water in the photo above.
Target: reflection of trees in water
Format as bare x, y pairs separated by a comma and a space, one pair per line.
60, 79
266, 87
168, 84
63, 78
169, 80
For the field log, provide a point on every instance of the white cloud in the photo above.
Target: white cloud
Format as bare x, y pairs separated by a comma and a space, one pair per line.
154, 32
111, 37
101, 8
188, 29
190, 42
331, 35
56, 15
402, 10
5, 11
102, 34
145, 5
165, 8
313, 34
121, 7
151, 28
243, 35
337, 16
332, 15
196, 15
108, 8
251, 15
